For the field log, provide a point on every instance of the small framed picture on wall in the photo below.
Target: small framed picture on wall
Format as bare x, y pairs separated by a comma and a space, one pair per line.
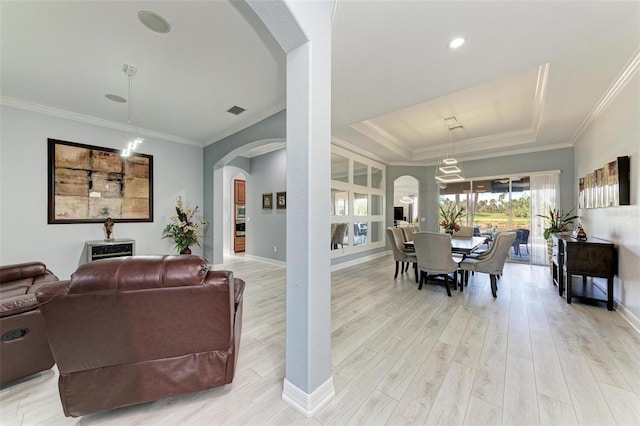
267, 201
281, 200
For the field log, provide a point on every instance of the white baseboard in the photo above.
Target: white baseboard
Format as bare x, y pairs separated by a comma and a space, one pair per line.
266, 260
305, 403
359, 260
628, 316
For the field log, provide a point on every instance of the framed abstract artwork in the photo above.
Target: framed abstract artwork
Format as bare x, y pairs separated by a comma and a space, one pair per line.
87, 184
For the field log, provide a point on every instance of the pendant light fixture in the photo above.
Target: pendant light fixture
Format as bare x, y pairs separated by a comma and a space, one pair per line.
133, 139
449, 167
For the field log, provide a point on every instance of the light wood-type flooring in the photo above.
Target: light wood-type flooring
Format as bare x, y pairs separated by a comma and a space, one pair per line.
406, 357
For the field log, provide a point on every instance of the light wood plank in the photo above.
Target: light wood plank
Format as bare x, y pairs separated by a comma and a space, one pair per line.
489, 382
481, 413
416, 403
375, 410
588, 401
548, 371
625, 405
450, 405
520, 398
554, 412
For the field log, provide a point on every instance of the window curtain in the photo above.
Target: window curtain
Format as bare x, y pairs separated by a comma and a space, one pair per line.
545, 195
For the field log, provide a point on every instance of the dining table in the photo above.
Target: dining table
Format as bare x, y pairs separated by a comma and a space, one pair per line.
463, 246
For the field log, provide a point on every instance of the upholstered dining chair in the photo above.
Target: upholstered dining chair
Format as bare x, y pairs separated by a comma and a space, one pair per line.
464, 232
407, 232
493, 262
433, 250
522, 237
337, 235
400, 254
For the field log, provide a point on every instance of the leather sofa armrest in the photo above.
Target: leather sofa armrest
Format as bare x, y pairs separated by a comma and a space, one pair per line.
49, 291
238, 288
17, 305
21, 271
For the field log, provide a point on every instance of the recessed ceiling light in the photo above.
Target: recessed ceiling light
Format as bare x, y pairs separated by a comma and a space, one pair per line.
154, 22
115, 98
456, 43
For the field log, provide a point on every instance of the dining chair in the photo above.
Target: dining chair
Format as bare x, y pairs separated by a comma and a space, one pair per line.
522, 237
493, 262
400, 253
433, 250
407, 232
464, 232
337, 237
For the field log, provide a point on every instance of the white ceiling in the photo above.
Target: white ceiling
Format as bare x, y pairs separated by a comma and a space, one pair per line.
527, 79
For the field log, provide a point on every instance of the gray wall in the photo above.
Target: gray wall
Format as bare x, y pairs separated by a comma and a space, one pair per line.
219, 153
266, 229
26, 236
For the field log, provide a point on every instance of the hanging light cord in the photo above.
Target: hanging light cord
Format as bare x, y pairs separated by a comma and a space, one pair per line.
135, 139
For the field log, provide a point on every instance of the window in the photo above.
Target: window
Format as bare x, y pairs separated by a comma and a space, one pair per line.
357, 203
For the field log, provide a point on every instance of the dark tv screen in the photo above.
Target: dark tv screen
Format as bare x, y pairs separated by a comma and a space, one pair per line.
398, 213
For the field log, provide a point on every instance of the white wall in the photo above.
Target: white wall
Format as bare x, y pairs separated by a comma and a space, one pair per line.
24, 232
616, 132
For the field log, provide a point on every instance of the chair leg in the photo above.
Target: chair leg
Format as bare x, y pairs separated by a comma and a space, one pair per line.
494, 286
455, 279
415, 267
446, 284
421, 280
396, 275
406, 267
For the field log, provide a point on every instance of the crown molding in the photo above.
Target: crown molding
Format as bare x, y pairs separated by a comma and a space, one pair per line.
625, 76
349, 147
493, 154
87, 119
374, 132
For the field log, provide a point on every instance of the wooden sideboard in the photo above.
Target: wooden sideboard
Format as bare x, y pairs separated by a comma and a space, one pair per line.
577, 263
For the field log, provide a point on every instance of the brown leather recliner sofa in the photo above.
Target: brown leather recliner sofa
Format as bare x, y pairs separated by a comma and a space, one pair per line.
24, 349
134, 329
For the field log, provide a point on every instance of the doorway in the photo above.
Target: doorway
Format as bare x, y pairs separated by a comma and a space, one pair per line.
495, 205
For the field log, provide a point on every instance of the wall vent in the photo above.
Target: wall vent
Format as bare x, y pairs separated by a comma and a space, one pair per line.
236, 110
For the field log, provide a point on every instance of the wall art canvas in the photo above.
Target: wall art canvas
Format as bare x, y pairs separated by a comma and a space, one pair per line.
88, 184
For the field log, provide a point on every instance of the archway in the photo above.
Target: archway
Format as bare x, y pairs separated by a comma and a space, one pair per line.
405, 200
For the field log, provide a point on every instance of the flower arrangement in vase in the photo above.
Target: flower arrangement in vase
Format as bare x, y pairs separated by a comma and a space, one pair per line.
449, 216
557, 221
182, 229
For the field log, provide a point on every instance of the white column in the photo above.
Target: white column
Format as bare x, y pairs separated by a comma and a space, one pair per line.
308, 384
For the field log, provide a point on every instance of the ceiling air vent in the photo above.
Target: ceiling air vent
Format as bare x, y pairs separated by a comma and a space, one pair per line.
236, 110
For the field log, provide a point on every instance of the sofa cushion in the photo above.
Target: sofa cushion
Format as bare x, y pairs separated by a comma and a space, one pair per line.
18, 304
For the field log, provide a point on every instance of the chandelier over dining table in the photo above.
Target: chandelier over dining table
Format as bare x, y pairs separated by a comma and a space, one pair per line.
449, 168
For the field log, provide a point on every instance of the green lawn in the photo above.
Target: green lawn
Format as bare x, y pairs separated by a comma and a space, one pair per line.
488, 221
